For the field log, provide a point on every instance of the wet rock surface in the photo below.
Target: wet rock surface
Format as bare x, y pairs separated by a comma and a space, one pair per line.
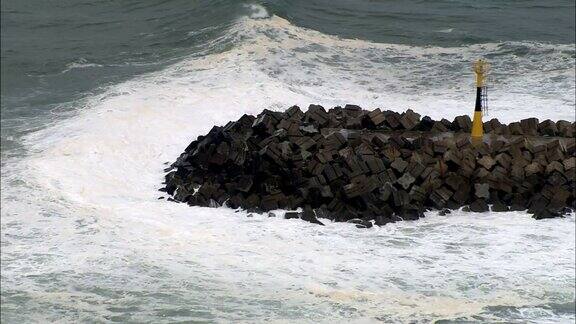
352, 165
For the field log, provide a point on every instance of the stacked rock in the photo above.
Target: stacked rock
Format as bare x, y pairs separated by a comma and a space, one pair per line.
350, 164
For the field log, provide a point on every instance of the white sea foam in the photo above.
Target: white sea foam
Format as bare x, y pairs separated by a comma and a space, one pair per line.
83, 231
81, 63
257, 11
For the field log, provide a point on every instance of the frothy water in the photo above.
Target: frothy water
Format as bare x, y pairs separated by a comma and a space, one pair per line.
84, 237
257, 11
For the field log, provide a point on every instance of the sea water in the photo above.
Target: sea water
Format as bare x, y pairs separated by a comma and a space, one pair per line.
96, 97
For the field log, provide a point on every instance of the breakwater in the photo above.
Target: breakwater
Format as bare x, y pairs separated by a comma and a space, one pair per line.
377, 167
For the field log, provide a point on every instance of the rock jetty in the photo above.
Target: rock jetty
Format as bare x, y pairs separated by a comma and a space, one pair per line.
347, 164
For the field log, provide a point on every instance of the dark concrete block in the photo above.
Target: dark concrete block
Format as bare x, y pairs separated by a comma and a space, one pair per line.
245, 183
462, 195
409, 119
294, 113
406, 180
493, 126
515, 129
462, 123
353, 110
482, 190
529, 126
376, 117
415, 169
504, 160
548, 128
426, 124
479, 206
498, 206
309, 216
376, 165
487, 162
399, 165
264, 124
533, 168
439, 127
569, 163
401, 198
393, 119
441, 196
565, 128
444, 212
291, 215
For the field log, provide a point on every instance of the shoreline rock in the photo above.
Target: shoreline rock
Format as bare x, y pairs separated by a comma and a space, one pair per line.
377, 166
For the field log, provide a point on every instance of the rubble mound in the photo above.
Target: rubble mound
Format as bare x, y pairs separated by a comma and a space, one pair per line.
364, 167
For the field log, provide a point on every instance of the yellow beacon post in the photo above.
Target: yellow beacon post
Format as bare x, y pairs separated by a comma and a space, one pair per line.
481, 69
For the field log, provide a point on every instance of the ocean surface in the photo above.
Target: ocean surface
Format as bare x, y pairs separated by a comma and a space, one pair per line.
97, 95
